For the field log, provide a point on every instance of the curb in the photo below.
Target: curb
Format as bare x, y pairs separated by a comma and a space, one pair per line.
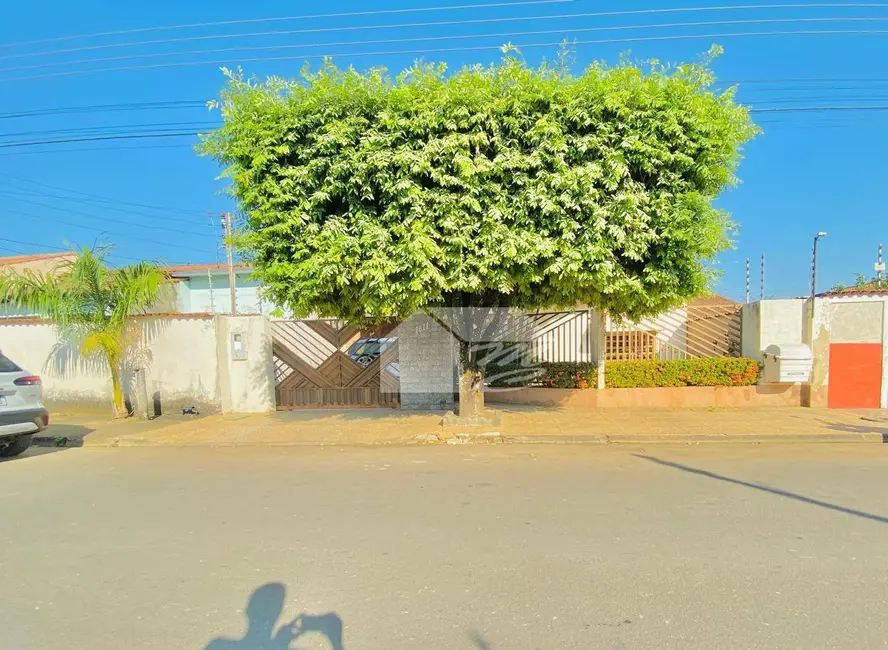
681, 438
595, 439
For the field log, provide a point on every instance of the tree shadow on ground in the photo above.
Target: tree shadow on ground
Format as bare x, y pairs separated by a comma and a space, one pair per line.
858, 428
764, 488
264, 608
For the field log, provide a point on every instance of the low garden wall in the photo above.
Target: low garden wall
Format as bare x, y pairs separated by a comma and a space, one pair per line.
682, 397
687, 383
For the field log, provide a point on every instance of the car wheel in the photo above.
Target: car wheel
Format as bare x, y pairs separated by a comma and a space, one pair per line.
364, 360
14, 445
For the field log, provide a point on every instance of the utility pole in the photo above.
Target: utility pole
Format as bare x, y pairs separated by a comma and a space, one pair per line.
820, 234
226, 221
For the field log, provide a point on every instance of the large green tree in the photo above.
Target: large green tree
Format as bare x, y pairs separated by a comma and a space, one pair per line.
367, 195
92, 302
375, 196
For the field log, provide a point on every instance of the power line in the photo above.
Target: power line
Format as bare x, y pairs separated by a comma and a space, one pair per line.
101, 138
101, 230
283, 18
84, 149
58, 248
5, 193
459, 49
712, 23
445, 23
101, 197
819, 109
99, 108
113, 129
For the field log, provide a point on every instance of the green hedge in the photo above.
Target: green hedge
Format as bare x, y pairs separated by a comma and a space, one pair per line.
717, 371
546, 375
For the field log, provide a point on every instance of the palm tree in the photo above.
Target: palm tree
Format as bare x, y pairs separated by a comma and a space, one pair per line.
86, 298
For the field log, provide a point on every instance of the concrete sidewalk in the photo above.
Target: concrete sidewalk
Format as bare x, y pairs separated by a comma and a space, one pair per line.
520, 425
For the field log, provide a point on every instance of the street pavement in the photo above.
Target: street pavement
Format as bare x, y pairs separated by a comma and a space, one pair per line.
470, 547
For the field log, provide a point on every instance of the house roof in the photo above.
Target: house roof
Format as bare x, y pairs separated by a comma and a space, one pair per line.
37, 257
712, 301
196, 269
868, 289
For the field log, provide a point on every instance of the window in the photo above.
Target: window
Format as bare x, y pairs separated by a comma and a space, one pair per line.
637, 344
6, 365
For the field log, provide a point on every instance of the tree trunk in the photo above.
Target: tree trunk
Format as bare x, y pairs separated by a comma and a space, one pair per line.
471, 394
117, 388
471, 383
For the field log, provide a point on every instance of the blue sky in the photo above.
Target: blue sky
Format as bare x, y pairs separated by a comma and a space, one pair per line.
155, 198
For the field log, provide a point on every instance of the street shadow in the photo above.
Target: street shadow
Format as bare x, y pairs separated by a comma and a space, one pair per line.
57, 437
859, 428
764, 488
264, 608
480, 642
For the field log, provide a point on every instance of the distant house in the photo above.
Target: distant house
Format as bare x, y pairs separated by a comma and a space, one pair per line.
197, 288
204, 289
39, 263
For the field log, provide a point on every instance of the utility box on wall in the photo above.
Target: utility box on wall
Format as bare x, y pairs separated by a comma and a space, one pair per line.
787, 364
238, 346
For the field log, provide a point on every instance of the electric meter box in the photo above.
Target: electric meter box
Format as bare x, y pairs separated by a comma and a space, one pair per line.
787, 364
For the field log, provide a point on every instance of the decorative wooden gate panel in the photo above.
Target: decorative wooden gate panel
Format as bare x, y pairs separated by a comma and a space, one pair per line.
330, 364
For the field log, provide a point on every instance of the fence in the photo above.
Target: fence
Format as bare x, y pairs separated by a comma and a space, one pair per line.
699, 330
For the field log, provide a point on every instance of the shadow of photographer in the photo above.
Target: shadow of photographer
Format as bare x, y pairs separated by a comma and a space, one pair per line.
264, 608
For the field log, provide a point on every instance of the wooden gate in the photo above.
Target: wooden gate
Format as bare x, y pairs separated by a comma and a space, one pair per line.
330, 364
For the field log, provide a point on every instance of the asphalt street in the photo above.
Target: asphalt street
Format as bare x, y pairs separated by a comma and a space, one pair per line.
468, 547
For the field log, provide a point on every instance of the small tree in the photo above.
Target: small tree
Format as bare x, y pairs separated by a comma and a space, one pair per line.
371, 196
85, 298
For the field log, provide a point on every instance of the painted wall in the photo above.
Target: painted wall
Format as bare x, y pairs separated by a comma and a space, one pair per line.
247, 384
188, 362
857, 318
751, 331
782, 322
771, 322
178, 354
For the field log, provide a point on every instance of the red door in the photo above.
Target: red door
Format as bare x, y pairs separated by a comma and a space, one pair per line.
855, 375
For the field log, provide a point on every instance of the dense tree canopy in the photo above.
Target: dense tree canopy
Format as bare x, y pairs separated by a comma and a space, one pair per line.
367, 195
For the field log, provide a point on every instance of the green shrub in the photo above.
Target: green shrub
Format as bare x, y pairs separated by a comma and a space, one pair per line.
547, 375
717, 371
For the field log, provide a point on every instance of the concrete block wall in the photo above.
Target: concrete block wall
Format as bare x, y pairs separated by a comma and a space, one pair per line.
427, 357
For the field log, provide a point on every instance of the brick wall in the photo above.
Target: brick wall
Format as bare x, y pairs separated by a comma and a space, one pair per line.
427, 355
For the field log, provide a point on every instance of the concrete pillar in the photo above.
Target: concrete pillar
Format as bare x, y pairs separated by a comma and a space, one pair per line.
427, 359
246, 364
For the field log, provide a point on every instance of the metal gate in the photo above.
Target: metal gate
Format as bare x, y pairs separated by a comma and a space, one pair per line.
330, 364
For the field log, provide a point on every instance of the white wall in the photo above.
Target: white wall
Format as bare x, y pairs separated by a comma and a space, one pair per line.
782, 321
179, 355
751, 331
247, 385
845, 319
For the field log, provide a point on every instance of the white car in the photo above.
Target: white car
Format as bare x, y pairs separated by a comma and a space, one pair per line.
21, 408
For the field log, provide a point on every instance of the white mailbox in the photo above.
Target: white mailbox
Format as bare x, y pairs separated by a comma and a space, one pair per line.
787, 364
